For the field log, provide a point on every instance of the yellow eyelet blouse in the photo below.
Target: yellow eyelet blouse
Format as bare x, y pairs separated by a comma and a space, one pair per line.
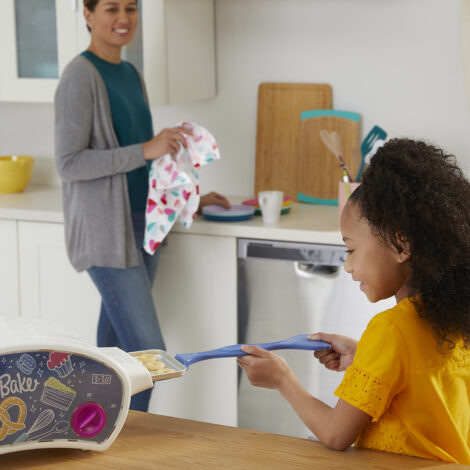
417, 394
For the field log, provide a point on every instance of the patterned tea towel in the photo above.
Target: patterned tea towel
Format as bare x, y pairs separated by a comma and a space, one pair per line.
173, 187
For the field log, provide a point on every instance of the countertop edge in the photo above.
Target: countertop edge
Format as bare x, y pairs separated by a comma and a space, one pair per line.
305, 223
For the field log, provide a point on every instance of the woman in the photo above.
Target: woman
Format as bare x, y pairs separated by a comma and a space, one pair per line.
104, 142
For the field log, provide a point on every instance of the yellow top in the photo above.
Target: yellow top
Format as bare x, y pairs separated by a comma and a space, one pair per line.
417, 394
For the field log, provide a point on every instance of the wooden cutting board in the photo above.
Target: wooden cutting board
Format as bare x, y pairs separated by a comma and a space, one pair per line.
278, 131
318, 169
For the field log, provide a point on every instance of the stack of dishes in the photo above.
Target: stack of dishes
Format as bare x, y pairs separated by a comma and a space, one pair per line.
236, 213
286, 205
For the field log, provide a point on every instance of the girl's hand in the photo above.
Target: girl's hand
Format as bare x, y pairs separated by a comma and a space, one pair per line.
167, 141
213, 198
264, 368
341, 354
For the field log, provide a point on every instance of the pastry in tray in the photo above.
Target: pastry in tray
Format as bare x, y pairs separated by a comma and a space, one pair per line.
159, 363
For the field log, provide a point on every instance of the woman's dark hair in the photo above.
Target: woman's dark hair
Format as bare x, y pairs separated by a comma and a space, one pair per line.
90, 4
414, 192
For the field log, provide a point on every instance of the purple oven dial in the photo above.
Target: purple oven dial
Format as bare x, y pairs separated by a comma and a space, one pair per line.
88, 419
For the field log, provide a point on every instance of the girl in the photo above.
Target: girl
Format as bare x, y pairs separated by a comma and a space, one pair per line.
407, 383
103, 141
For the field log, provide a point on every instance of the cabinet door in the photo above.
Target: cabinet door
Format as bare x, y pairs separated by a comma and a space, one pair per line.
195, 295
50, 288
177, 42
9, 280
39, 38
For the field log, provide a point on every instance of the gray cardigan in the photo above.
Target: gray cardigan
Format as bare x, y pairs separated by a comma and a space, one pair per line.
92, 166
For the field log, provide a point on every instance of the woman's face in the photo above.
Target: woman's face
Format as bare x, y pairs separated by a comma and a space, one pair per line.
382, 271
113, 22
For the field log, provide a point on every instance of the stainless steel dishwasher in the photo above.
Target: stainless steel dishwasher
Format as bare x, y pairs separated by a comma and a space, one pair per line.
287, 288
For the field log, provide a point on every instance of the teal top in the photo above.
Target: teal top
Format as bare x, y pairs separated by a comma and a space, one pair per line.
132, 120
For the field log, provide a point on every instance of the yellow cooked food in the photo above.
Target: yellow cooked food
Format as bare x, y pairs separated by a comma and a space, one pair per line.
153, 364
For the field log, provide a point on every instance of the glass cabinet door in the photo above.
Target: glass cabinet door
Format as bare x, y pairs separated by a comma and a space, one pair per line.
36, 39
39, 38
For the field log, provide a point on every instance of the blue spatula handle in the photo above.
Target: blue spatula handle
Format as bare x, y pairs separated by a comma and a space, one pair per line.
296, 342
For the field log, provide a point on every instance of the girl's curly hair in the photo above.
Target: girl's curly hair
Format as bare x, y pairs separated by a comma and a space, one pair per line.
414, 192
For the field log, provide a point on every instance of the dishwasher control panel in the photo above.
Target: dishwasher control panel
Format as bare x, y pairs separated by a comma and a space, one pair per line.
312, 253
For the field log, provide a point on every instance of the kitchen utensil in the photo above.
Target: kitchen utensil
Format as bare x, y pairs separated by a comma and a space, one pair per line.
180, 362
270, 203
344, 193
42, 421
377, 144
333, 142
367, 145
295, 342
59, 428
278, 131
57, 391
346, 183
236, 213
15, 173
318, 171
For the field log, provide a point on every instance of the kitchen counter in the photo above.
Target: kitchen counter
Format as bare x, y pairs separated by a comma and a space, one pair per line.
149, 441
305, 222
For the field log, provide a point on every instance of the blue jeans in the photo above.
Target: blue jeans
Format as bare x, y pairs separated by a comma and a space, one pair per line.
128, 318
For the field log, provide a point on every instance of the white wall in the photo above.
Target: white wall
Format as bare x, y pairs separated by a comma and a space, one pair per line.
396, 62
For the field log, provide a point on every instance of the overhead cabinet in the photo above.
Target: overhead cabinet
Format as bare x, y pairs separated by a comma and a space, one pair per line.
174, 48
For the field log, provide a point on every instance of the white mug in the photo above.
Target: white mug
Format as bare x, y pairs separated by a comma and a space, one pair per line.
271, 204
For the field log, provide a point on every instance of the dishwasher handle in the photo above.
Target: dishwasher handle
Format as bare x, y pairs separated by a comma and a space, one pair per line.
295, 342
310, 270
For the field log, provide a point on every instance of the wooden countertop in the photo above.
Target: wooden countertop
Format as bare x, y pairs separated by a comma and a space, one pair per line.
150, 441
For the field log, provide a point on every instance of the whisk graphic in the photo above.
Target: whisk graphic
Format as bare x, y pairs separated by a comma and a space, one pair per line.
45, 418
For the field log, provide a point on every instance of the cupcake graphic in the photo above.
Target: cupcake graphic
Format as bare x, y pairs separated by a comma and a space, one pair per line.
60, 363
57, 394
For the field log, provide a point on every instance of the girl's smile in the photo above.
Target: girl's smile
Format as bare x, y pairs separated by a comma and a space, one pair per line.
381, 270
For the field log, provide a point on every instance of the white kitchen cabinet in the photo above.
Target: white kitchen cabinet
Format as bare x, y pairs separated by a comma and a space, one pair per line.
178, 38
195, 297
9, 274
50, 288
174, 47
38, 39
195, 294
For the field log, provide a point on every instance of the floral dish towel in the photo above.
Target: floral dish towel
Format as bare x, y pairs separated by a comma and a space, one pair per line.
173, 185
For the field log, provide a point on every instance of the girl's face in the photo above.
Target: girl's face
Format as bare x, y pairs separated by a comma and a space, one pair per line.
113, 22
381, 270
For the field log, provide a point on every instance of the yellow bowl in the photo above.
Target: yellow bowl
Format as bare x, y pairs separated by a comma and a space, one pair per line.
15, 173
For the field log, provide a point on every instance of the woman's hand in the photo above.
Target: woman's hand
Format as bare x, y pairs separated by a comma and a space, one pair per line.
341, 354
264, 368
213, 198
167, 141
